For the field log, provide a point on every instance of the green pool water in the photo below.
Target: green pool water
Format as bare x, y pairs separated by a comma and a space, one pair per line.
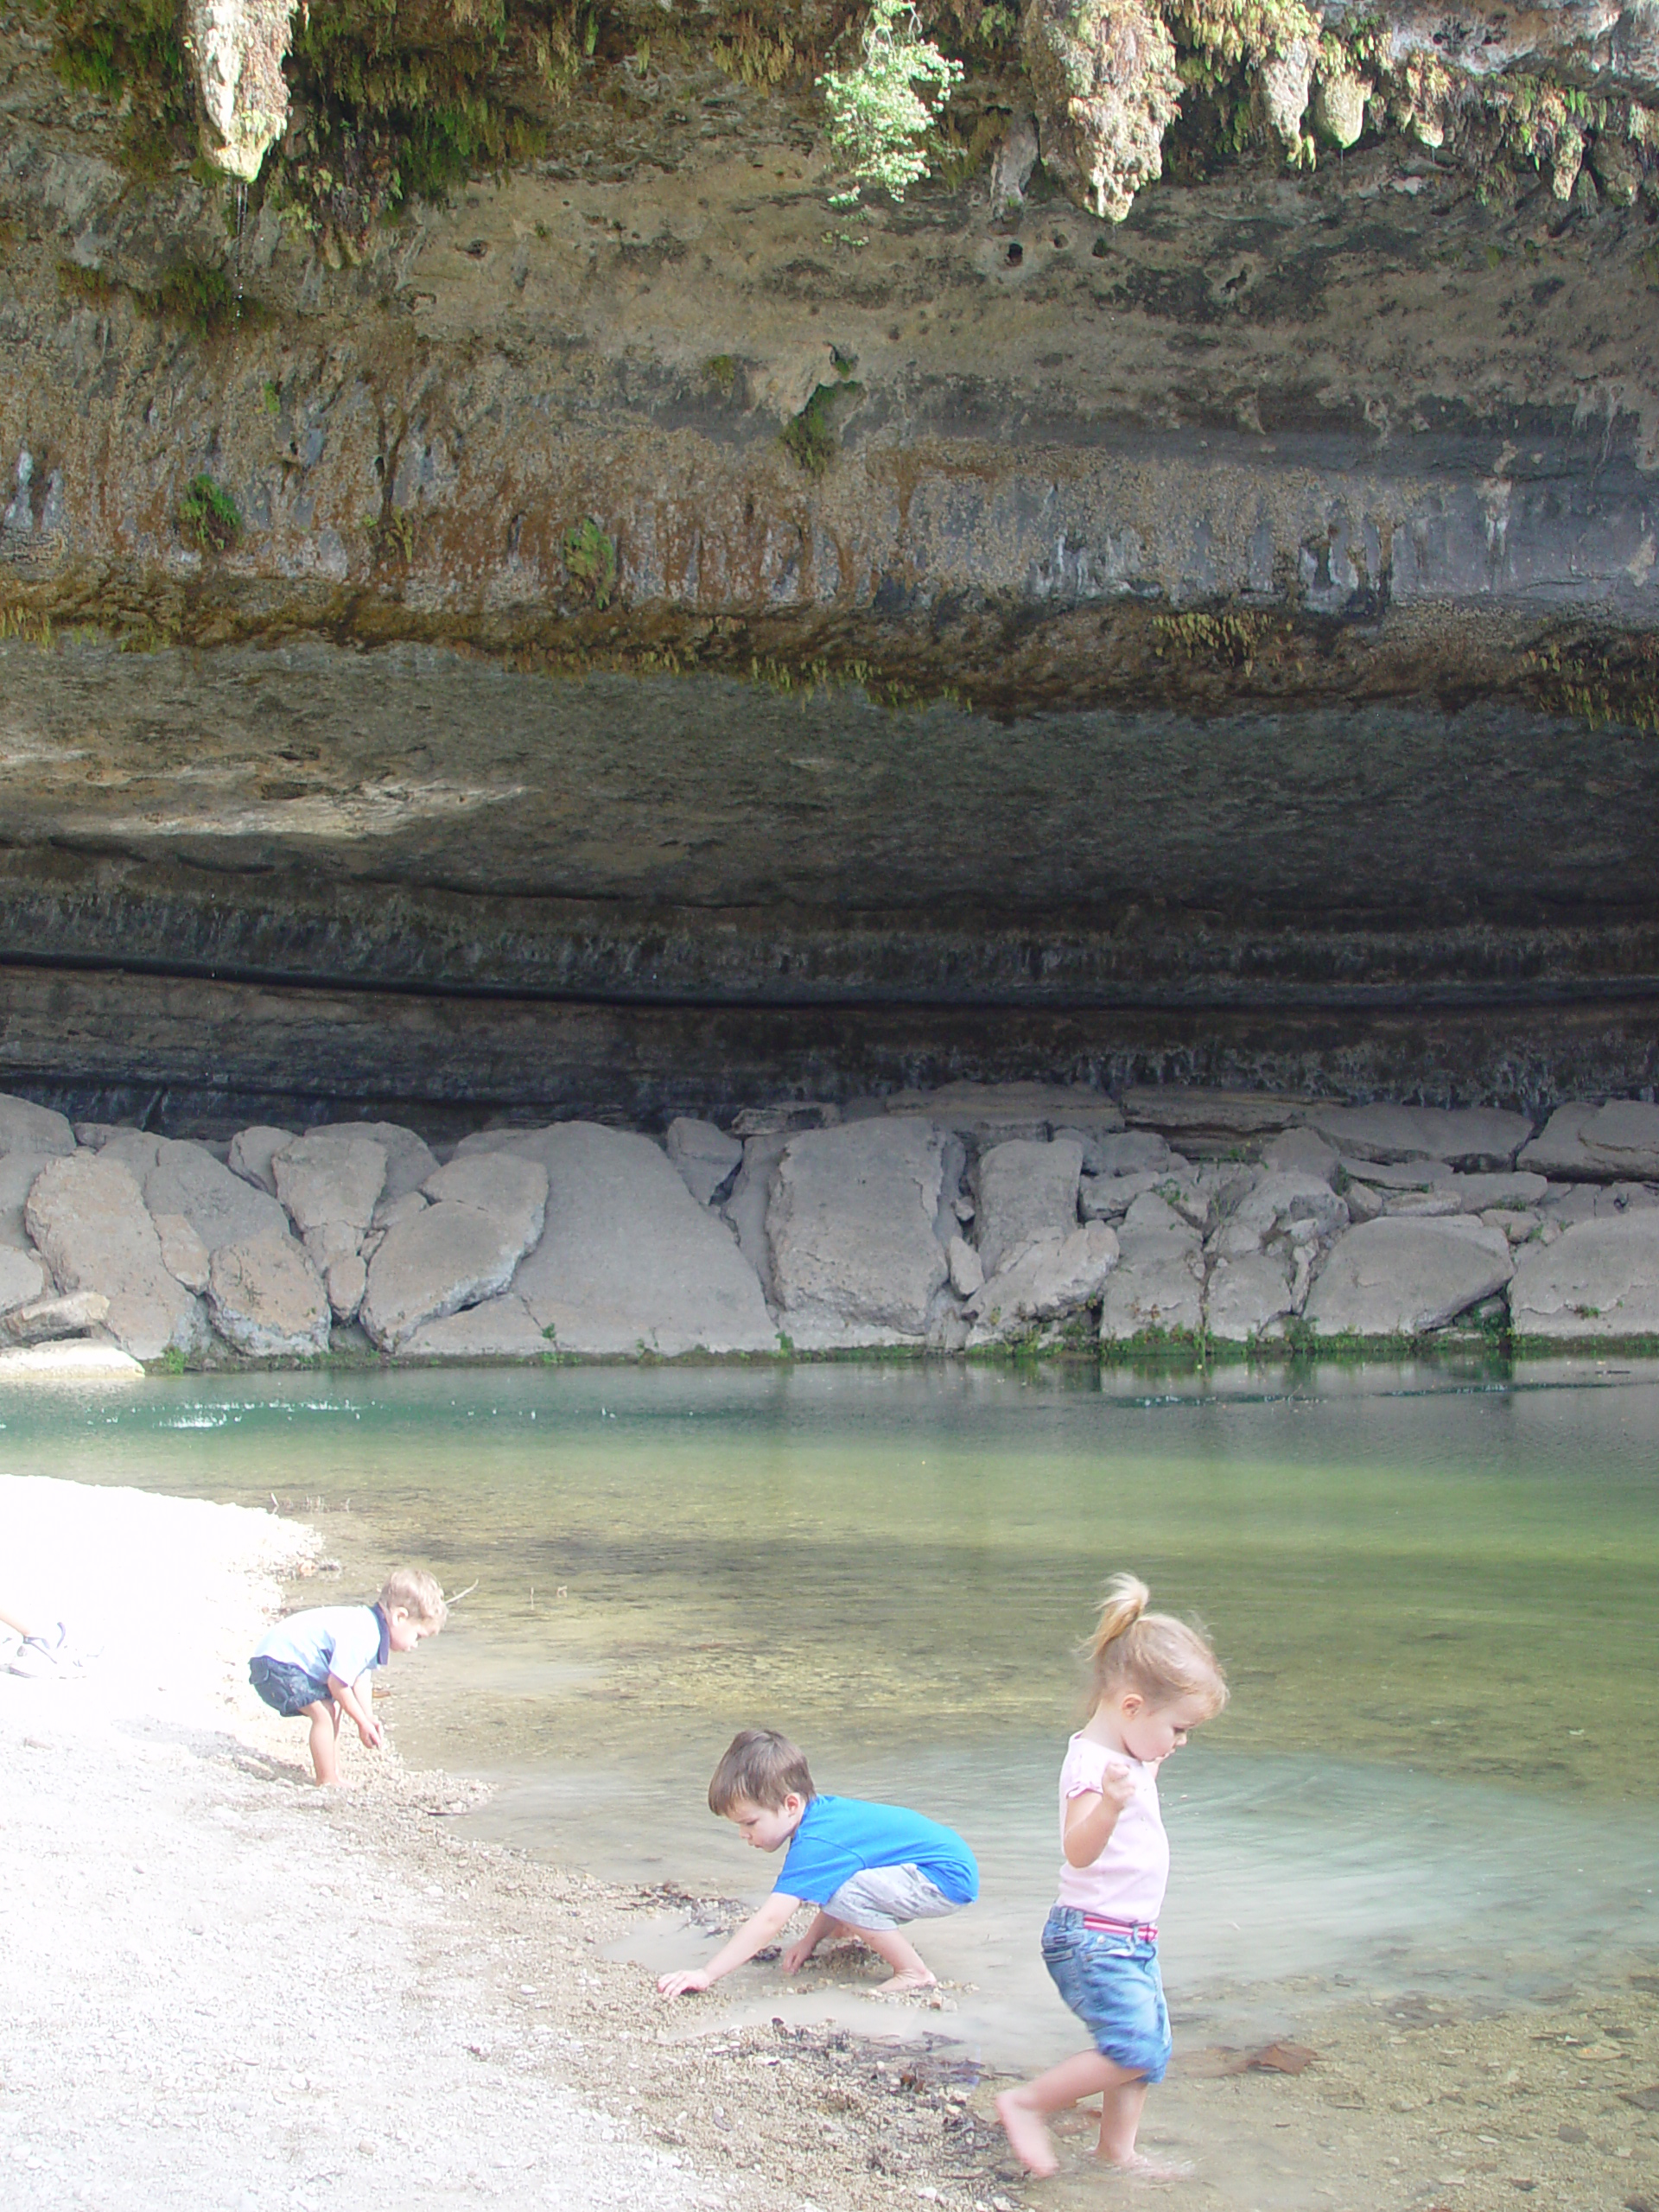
1433, 1592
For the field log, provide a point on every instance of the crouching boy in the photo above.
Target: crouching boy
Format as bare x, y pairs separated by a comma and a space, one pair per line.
870, 1869
317, 1664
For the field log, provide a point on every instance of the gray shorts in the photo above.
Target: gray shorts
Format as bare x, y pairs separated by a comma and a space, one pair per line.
887, 1896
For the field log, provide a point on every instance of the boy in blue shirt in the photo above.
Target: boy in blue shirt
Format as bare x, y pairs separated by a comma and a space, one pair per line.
869, 1869
317, 1664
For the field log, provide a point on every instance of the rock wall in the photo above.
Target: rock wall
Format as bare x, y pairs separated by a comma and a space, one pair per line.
966, 1219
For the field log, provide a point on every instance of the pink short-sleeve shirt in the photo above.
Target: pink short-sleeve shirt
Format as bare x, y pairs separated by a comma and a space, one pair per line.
1127, 1882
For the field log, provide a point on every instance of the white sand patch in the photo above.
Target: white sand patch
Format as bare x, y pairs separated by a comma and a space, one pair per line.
213, 1990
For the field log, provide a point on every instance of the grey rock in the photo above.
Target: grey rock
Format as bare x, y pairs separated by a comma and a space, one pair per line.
75, 1360
219, 1206
1150, 1209
331, 1176
1289, 1195
45, 1320
267, 1299
966, 1273
497, 1328
1599, 1279
628, 1259
1234, 1239
746, 1208
1051, 1275
1393, 1278
18, 1173
389, 1211
21, 1278
1130, 1152
1570, 1202
345, 1283
855, 1255
1479, 1192
88, 1218
183, 1254
1022, 1189
450, 1254
1425, 1205
1516, 1222
1302, 1152
510, 1187
25, 1127
1157, 1287
409, 1158
1617, 1143
1465, 1137
1399, 1174
136, 1152
1211, 1121
987, 1114
706, 1157
1246, 1295
331, 1243
786, 1119
252, 1152
1108, 1198
1365, 1203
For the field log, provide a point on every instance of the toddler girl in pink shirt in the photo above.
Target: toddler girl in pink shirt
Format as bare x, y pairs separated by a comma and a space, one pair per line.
1156, 1680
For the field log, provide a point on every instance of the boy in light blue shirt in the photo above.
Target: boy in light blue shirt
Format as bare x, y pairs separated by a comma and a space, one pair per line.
870, 1869
317, 1664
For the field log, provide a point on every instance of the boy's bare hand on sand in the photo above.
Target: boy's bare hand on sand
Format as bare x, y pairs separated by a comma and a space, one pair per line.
796, 1956
370, 1734
682, 1984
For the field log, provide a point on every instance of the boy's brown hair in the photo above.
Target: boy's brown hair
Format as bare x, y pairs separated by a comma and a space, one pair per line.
420, 1595
759, 1767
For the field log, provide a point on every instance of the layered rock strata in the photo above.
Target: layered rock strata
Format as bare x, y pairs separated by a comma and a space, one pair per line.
962, 1219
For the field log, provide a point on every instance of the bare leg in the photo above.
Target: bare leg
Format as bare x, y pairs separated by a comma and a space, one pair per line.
324, 1741
823, 1927
1024, 2112
910, 1969
16, 1622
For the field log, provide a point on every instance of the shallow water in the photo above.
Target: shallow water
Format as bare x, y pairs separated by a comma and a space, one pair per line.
1433, 1592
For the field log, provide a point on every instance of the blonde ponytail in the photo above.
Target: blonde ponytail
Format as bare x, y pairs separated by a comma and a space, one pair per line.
1153, 1653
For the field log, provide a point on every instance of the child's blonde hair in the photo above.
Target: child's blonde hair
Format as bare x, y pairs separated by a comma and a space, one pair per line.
1153, 1653
420, 1595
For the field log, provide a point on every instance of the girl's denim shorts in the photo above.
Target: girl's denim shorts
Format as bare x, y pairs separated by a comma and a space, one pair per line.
1109, 1978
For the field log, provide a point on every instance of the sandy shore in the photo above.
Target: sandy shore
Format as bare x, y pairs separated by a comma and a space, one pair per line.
220, 1988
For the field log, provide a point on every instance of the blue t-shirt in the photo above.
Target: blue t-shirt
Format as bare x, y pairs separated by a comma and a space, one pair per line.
344, 1641
839, 1837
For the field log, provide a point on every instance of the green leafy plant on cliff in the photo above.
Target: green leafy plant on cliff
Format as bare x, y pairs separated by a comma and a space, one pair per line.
878, 121
590, 561
209, 515
128, 53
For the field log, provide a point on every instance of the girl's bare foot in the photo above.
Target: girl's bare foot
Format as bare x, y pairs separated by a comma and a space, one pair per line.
901, 1985
1027, 2136
1139, 2167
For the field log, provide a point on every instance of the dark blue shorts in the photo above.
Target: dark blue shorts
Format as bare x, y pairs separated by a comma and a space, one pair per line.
287, 1690
1111, 1980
